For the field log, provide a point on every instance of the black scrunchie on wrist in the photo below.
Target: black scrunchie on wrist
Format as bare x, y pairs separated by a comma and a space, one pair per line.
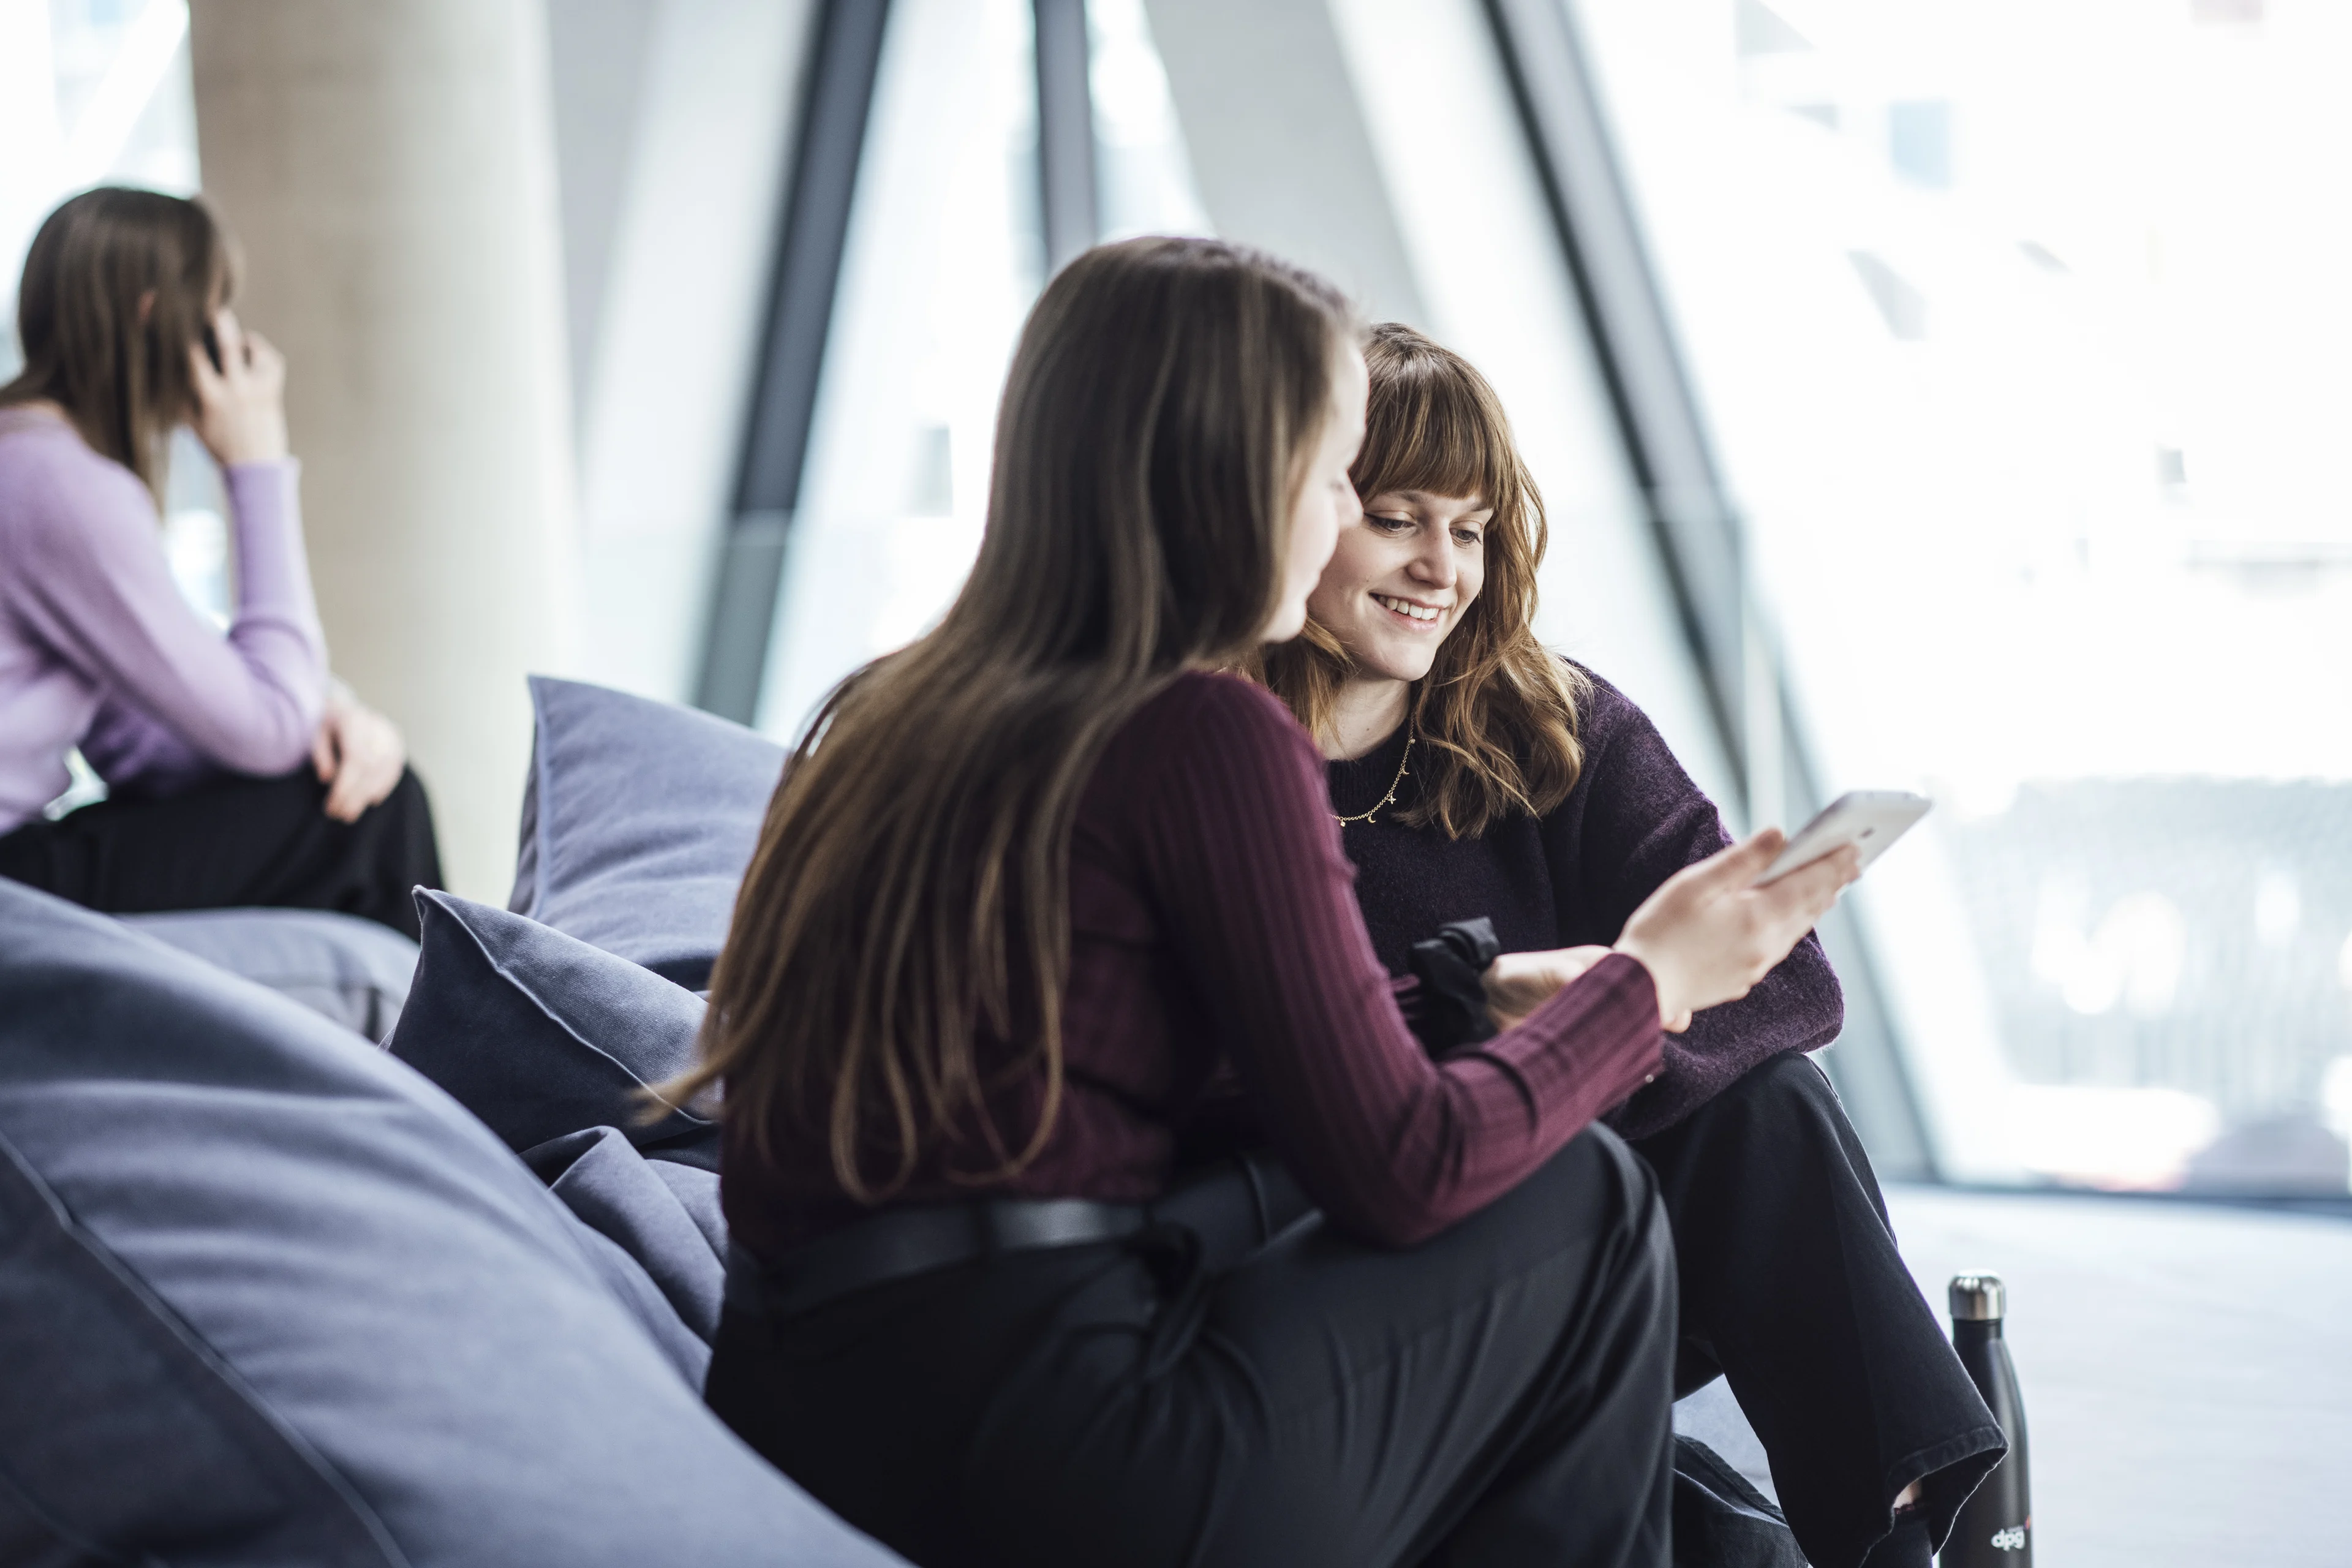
1450, 967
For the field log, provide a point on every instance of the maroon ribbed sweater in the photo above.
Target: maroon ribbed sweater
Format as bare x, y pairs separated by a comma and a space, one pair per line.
1214, 923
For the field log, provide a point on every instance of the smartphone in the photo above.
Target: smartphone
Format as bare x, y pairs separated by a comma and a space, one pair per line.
211, 340
1869, 819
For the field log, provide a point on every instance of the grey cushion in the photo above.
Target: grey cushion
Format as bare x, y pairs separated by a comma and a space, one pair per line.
663, 1214
638, 821
352, 971
539, 1034
267, 1297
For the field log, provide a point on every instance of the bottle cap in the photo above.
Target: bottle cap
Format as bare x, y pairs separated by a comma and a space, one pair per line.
1978, 1298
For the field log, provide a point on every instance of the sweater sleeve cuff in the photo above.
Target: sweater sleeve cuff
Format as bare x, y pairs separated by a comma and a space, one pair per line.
263, 491
1599, 1037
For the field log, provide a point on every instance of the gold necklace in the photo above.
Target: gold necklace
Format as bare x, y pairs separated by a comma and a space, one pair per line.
1388, 799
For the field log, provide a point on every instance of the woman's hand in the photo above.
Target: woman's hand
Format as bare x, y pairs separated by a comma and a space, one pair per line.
241, 407
359, 755
1519, 983
1708, 935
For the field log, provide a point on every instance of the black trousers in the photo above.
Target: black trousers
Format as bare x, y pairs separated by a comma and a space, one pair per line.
235, 843
1792, 1289
1496, 1396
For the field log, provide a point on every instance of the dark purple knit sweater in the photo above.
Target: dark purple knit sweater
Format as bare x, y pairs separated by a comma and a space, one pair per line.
1633, 819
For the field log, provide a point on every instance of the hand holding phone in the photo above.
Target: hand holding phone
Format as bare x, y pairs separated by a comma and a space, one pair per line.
240, 386
1869, 819
1709, 932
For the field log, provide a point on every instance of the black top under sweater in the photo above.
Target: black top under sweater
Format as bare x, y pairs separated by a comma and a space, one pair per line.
1572, 877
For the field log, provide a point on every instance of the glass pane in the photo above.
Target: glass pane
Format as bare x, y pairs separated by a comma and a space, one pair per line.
1143, 177
2021, 328
943, 259
1469, 205
91, 92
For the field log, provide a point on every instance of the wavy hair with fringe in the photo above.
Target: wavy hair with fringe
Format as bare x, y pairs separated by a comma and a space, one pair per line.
1496, 715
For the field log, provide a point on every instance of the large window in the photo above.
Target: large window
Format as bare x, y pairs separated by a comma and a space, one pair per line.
943, 258
2022, 331
1143, 176
945, 254
91, 92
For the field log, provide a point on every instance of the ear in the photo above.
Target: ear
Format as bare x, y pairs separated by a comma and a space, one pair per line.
146, 306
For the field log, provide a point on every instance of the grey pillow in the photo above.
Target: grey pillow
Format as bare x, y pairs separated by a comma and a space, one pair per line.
638, 821
341, 967
663, 1214
267, 1297
539, 1034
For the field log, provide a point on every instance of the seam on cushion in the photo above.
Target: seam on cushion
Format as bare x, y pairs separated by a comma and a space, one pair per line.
136, 1292
499, 967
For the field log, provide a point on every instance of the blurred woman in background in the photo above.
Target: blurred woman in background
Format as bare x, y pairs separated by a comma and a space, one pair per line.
237, 774
1477, 776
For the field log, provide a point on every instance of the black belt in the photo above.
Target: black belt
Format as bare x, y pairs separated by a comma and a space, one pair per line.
900, 1243
1239, 1208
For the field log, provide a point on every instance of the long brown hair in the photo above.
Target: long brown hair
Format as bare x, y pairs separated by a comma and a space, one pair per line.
119, 368
909, 891
1496, 714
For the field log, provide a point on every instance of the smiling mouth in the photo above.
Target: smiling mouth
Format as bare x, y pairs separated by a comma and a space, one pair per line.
1420, 614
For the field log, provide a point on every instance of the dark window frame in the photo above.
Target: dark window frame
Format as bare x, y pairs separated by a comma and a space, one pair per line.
837, 100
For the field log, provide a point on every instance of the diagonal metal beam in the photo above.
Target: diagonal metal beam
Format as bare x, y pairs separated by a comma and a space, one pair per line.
843, 61
1657, 415
1070, 204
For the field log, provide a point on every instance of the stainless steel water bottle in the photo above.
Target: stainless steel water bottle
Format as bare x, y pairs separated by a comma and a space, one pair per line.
1995, 1529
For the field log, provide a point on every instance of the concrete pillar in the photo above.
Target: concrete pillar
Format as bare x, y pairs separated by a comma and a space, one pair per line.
390, 171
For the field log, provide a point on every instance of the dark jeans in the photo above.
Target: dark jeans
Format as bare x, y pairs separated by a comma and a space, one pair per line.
1792, 1289
1498, 1394
235, 843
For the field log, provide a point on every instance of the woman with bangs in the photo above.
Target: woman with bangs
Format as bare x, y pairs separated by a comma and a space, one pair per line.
1495, 797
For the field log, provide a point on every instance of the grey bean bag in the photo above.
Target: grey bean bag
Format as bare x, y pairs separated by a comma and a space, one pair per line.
350, 971
267, 1297
552, 1043
665, 1215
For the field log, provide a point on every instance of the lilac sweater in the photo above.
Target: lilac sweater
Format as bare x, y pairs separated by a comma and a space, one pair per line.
99, 649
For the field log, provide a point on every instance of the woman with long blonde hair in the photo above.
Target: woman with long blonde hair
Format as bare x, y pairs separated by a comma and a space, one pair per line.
1478, 777
1032, 889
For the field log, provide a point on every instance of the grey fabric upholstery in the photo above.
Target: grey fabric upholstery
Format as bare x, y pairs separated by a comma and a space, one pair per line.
539, 1034
638, 821
663, 1214
343, 968
267, 1297
685, 1346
